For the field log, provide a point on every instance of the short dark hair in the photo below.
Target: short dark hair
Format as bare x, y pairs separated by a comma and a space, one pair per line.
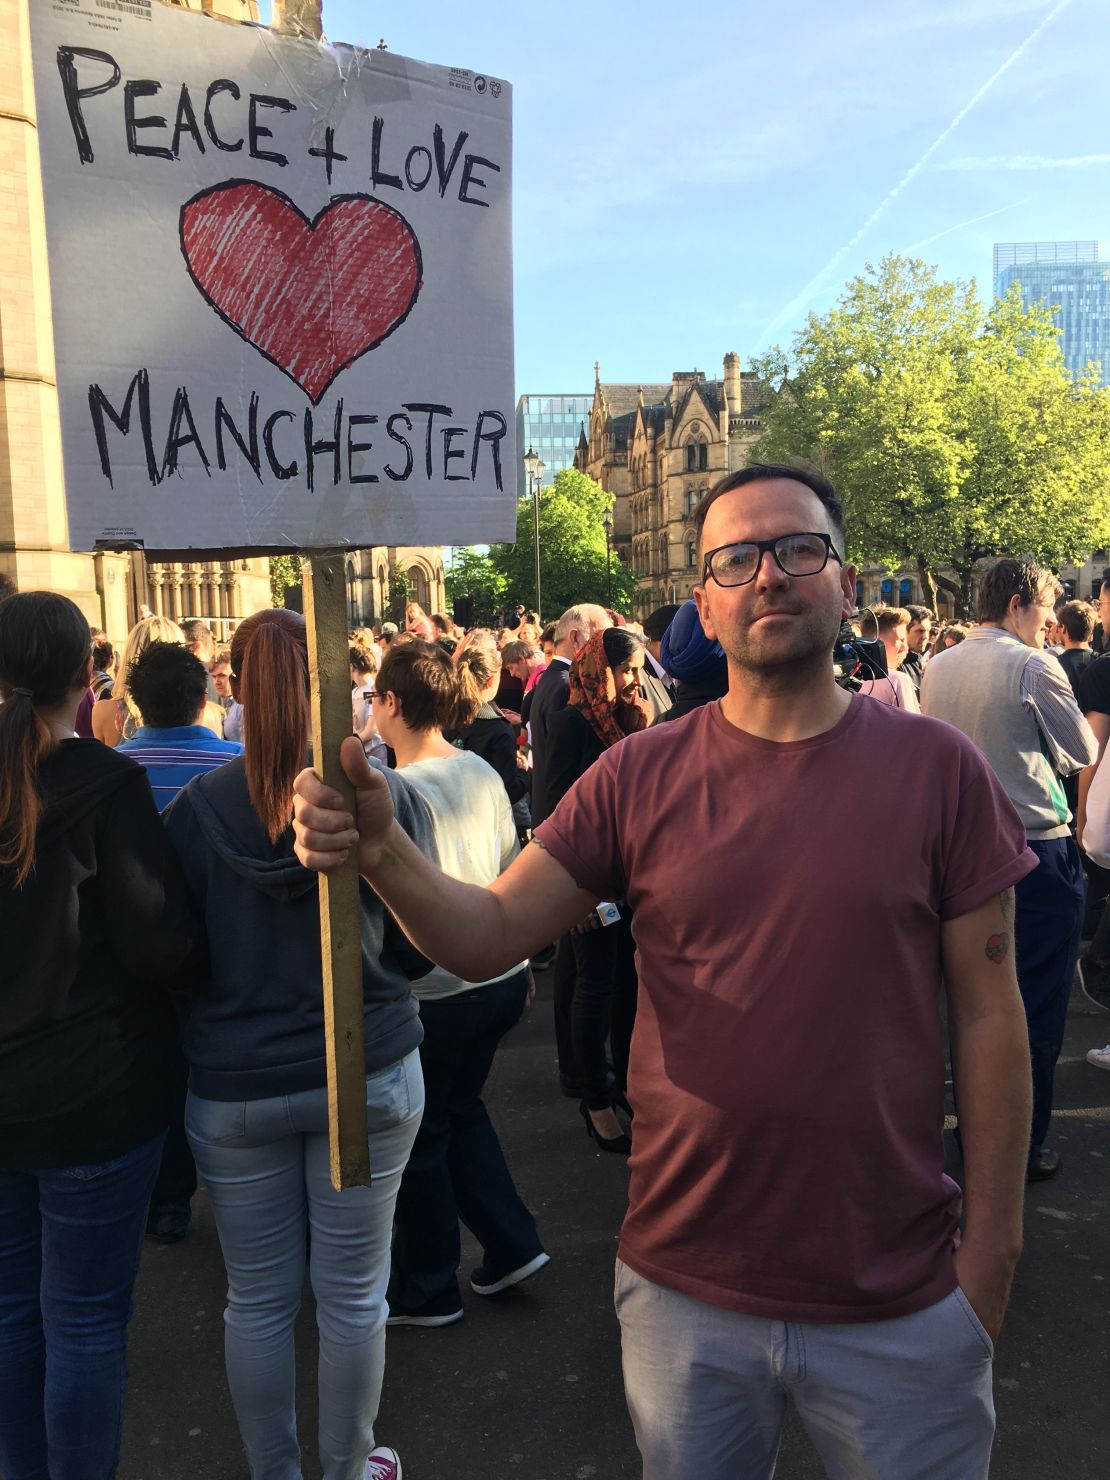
1009, 578
917, 613
655, 625
168, 684
1077, 620
800, 472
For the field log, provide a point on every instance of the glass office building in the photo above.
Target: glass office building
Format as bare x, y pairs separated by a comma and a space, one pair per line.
1016, 254
1080, 292
549, 425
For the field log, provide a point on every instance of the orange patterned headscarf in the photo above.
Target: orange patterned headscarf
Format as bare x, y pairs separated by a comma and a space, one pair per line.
593, 692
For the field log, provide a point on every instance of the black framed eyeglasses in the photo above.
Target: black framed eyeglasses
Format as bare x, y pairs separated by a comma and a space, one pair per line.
804, 554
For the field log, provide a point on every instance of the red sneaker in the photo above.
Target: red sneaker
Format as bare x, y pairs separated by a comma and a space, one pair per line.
383, 1464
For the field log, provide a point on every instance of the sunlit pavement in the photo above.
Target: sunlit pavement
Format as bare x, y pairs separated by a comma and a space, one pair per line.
527, 1386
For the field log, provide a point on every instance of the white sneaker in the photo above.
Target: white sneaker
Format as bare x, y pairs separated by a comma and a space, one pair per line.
1100, 1057
383, 1464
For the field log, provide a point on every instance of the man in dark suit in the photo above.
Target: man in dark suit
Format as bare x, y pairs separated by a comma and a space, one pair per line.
655, 681
573, 631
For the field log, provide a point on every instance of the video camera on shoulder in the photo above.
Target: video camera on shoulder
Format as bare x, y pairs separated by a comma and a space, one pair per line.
857, 658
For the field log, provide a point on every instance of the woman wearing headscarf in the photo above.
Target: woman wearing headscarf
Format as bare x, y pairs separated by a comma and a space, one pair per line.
604, 705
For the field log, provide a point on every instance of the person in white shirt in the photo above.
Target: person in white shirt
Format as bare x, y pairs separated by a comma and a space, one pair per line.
457, 1169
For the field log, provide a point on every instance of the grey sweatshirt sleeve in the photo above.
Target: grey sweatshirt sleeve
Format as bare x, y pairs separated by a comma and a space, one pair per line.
1047, 693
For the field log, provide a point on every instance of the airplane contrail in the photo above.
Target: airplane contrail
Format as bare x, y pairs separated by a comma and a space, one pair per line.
800, 299
1025, 162
974, 220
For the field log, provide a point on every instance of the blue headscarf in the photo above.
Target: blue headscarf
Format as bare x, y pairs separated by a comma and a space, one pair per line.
687, 654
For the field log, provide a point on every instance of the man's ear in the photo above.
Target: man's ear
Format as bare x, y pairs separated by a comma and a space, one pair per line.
848, 584
701, 601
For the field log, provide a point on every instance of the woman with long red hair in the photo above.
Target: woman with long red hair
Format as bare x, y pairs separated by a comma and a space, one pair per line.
94, 920
257, 1112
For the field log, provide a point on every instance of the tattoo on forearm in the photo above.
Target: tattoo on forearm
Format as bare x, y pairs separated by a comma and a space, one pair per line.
1006, 902
998, 948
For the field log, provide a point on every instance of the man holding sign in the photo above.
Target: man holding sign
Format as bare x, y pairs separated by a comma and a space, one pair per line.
790, 1226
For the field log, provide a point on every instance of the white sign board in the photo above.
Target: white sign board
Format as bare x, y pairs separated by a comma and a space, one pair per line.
282, 285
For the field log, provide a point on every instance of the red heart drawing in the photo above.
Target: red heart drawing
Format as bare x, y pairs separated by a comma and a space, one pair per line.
312, 296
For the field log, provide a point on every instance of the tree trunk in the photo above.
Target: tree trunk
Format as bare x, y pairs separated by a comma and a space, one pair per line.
928, 584
959, 590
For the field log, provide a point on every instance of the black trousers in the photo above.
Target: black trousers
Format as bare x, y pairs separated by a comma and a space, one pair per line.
457, 1168
562, 1000
604, 1007
177, 1171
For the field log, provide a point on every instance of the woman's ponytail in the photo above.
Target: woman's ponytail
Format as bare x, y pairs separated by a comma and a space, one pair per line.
269, 663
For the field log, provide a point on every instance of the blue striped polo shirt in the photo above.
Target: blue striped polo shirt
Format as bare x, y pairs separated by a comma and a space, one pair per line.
173, 757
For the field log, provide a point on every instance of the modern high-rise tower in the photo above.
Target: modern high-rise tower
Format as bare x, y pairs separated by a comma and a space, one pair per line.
1070, 277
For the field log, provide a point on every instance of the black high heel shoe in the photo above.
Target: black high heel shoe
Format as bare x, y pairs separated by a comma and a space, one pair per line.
622, 1145
620, 1102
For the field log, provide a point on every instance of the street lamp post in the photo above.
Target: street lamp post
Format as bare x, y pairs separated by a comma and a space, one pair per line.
608, 564
533, 466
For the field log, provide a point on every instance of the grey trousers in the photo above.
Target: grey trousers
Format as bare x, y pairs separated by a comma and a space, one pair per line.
903, 1399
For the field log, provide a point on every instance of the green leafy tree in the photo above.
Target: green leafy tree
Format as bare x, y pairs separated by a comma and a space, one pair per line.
475, 587
572, 549
285, 572
399, 596
952, 430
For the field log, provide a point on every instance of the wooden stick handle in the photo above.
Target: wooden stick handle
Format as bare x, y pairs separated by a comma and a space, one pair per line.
325, 604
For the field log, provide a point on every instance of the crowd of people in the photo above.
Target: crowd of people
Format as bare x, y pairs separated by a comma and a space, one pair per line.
669, 818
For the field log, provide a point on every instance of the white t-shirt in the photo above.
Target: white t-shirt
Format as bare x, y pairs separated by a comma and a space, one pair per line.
475, 837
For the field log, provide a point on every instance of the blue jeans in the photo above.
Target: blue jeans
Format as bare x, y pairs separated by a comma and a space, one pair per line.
266, 1166
457, 1168
904, 1399
70, 1242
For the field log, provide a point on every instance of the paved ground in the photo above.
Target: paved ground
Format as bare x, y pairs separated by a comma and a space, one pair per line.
527, 1386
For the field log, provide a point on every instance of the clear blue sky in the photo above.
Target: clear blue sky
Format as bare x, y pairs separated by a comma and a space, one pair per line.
695, 179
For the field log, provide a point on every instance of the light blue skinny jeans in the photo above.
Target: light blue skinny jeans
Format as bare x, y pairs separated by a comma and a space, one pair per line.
266, 1166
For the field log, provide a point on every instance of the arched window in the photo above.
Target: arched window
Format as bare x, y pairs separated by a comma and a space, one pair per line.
691, 554
354, 603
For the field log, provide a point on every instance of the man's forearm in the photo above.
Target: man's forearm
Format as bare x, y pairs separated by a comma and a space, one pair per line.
460, 927
994, 1096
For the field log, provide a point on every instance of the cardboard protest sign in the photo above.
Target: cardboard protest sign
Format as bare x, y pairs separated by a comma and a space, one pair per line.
281, 283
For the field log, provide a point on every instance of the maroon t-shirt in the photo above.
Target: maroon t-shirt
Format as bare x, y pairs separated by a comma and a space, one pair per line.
787, 1068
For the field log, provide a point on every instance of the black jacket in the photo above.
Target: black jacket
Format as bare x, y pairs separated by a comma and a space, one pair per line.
491, 736
91, 944
572, 747
256, 1013
548, 697
690, 696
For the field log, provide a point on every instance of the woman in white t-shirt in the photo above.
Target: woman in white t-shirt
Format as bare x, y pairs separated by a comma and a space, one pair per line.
457, 1168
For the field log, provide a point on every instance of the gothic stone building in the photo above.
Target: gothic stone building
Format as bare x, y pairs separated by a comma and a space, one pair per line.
658, 449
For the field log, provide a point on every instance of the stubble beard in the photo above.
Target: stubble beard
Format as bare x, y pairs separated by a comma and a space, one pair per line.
775, 665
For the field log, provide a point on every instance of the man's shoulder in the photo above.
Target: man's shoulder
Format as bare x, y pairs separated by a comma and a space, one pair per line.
1094, 686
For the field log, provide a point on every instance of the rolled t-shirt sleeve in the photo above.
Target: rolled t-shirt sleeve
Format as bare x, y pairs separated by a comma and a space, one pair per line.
985, 850
582, 834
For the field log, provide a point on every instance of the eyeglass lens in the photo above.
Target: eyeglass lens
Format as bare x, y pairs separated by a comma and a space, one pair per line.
796, 555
